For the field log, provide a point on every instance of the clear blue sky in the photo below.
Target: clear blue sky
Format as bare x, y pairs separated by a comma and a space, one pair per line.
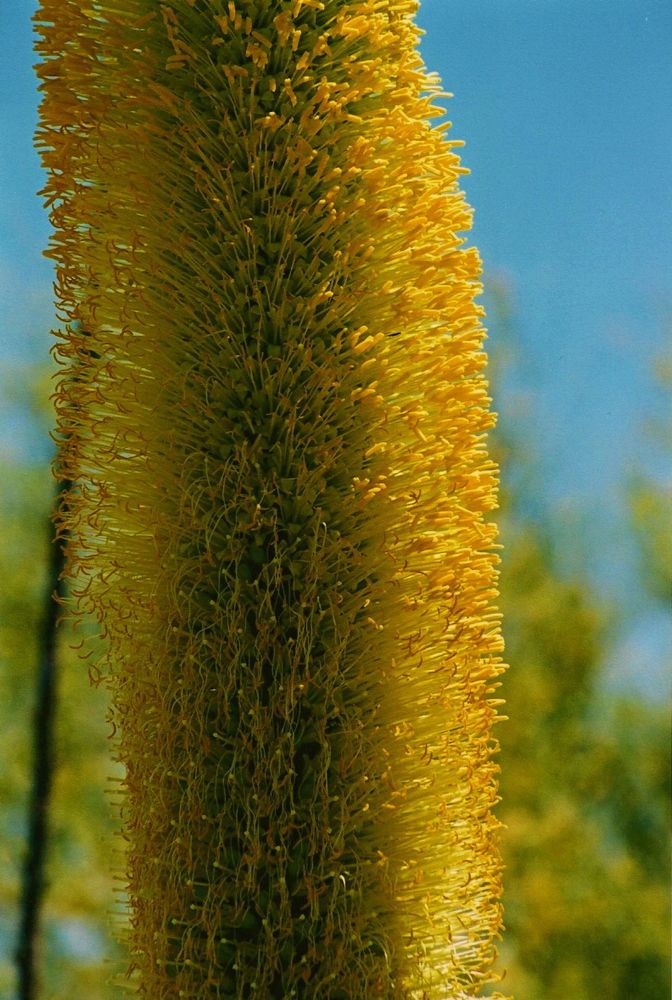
565, 106
566, 109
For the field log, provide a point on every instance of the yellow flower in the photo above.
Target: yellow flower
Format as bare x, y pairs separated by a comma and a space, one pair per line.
282, 484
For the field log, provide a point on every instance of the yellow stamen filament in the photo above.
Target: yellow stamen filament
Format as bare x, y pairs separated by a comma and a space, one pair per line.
274, 412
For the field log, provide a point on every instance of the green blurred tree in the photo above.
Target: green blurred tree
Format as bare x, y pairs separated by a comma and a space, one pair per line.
76, 947
584, 801
651, 507
584, 774
650, 503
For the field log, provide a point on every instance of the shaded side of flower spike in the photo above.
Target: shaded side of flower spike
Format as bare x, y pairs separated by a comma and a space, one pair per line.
277, 436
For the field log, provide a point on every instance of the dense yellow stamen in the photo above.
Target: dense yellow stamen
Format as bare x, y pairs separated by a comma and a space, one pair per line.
275, 412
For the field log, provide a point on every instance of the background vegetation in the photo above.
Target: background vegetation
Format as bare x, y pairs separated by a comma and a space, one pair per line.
585, 770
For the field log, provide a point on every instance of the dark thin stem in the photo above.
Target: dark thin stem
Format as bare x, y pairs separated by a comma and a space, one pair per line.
43, 766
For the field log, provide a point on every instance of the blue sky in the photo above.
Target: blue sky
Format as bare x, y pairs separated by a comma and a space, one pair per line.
565, 106
565, 109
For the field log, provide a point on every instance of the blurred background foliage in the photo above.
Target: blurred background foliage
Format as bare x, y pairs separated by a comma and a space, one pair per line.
585, 780
76, 947
585, 769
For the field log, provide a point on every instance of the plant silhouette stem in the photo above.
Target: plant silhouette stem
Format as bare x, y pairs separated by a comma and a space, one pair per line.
42, 773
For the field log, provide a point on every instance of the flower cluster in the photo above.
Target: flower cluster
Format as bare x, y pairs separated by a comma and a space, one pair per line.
273, 412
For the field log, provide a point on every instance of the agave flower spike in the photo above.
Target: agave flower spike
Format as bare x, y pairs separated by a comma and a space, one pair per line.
277, 444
